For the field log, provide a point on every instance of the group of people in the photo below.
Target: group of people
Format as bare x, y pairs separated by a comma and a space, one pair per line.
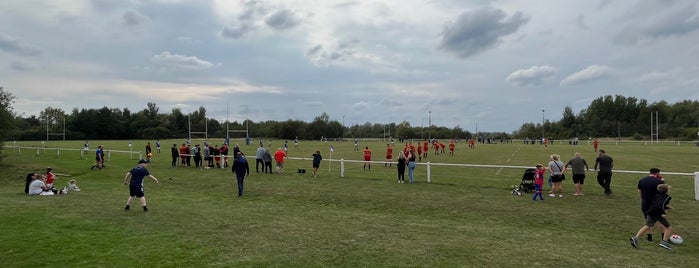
213, 155
43, 184
603, 164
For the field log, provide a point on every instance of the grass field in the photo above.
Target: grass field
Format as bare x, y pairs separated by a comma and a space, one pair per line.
466, 216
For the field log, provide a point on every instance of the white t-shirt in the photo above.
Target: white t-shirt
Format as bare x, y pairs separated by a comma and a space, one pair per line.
35, 187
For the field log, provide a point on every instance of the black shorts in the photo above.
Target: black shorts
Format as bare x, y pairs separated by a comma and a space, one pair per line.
579, 178
650, 221
136, 190
558, 178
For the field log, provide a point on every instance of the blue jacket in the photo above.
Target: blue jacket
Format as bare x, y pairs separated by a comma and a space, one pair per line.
240, 167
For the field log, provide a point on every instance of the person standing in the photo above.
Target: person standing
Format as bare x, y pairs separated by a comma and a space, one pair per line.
647, 189
389, 155
196, 151
401, 167
411, 166
279, 158
605, 163
267, 159
149, 152
259, 158
579, 165
595, 144
316, 163
557, 169
240, 168
183, 154
99, 158
175, 154
157, 146
134, 179
539, 182
367, 157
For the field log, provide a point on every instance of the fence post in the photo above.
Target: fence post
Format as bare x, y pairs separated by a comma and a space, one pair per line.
342, 168
696, 186
428, 172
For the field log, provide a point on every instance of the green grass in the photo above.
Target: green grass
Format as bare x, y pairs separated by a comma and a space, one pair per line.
465, 218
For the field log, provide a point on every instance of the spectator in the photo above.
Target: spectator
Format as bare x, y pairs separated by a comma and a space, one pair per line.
605, 163
401, 167
175, 154
267, 159
259, 158
557, 169
240, 168
579, 166
279, 158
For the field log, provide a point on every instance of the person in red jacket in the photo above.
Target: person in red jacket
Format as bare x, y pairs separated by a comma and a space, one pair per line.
367, 157
389, 155
279, 158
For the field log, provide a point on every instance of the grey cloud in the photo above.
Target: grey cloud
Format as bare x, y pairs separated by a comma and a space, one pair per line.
282, 19
324, 56
534, 76
478, 30
168, 59
677, 21
580, 21
23, 66
236, 31
253, 9
132, 18
16, 46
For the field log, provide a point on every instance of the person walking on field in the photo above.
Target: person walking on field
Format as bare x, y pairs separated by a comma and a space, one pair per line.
579, 166
267, 159
316, 163
259, 158
657, 212
240, 168
605, 163
99, 158
134, 179
648, 188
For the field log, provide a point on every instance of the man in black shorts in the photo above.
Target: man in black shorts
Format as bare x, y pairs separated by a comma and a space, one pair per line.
648, 188
134, 179
579, 166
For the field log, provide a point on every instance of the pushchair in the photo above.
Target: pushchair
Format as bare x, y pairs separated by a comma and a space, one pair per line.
527, 184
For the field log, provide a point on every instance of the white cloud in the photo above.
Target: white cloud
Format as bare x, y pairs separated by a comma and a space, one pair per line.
168, 59
534, 76
591, 73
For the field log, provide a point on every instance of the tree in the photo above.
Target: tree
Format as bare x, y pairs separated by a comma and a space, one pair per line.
6, 116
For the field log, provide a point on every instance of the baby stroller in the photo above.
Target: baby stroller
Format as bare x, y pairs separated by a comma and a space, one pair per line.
527, 184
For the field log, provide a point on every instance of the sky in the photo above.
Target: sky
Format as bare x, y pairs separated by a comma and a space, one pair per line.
479, 65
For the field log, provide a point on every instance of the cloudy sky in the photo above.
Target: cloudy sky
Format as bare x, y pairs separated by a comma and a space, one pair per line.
491, 65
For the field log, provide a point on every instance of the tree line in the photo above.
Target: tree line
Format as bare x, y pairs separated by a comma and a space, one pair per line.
607, 116
621, 117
